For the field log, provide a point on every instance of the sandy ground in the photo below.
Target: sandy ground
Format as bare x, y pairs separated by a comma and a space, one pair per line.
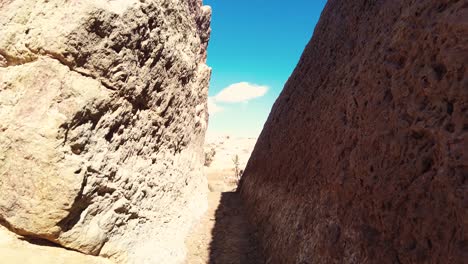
220, 173
15, 250
223, 235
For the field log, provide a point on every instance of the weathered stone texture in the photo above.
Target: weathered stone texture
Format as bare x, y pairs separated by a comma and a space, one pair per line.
363, 158
103, 109
14, 250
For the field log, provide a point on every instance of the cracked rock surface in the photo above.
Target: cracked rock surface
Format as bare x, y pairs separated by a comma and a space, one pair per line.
103, 109
364, 156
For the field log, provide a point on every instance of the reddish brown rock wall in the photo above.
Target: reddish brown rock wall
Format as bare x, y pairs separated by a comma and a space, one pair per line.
364, 158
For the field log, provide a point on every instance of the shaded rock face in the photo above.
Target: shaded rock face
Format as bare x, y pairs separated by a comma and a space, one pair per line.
103, 109
363, 158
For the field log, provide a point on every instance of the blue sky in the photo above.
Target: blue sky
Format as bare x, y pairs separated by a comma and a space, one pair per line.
254, 42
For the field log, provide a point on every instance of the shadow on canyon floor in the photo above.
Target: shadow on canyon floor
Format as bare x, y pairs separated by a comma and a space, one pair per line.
233, 239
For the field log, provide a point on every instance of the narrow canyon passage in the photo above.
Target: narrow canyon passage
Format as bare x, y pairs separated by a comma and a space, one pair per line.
223, 236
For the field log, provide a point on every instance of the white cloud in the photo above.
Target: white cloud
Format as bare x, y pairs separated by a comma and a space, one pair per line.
213, 108
240, 92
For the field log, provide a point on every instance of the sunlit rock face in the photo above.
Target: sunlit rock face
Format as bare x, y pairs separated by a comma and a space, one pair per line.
103, 117
364, 156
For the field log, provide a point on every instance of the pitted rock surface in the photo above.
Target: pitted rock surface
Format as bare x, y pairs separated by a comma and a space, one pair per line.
103, 109
363, 158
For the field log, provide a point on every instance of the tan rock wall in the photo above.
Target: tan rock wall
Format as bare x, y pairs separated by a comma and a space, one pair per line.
363, 158
103, 109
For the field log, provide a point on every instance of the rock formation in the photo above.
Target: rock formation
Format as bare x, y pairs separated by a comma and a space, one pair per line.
103, 110
363, 158
15, 250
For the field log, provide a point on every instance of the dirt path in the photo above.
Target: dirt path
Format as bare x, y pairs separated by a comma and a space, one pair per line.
223, 236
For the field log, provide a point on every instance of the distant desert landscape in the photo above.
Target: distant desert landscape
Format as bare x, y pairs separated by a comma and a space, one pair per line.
224, 235
221, 152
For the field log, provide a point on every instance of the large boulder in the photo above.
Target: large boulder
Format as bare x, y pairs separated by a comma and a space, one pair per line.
15, 250
103, 109
364, 156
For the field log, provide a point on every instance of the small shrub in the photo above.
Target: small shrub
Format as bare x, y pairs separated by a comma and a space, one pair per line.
209, 156
237, 170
